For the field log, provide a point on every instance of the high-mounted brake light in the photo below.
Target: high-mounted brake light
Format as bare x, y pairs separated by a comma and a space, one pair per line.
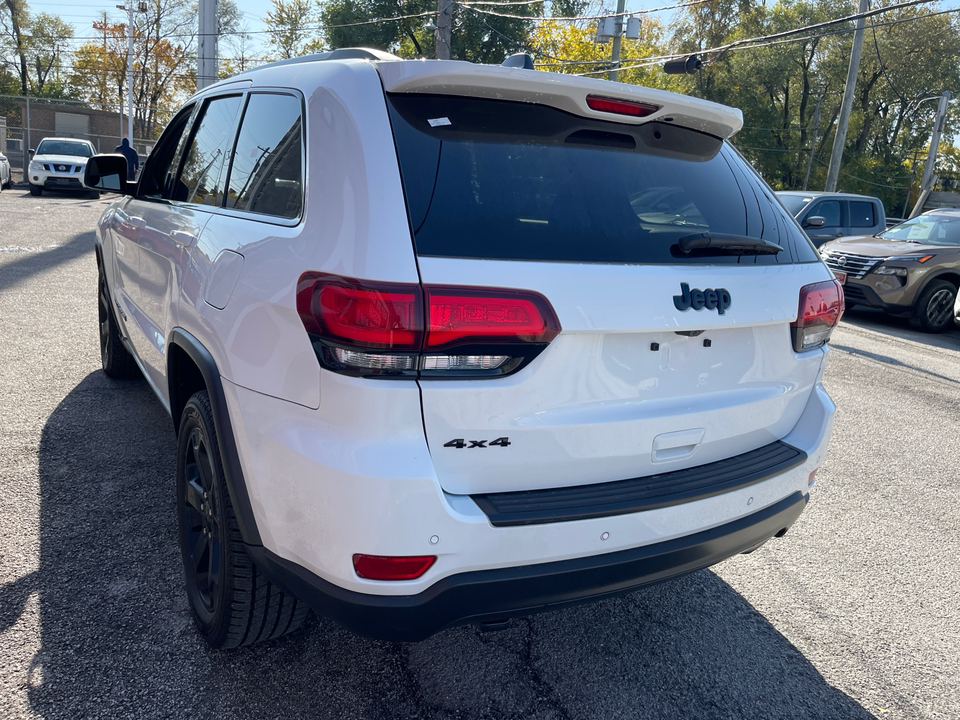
407, 330
821, 307
381, 567
621, 107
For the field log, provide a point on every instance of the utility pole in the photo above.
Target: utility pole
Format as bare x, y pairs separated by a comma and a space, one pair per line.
926, 185
207, 47
444, 29
813, 140
129, 7
836, 157
617, 40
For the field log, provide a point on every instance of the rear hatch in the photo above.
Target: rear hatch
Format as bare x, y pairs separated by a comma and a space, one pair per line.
588, 214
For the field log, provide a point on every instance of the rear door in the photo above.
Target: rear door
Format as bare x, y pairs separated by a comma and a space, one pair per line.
588, 214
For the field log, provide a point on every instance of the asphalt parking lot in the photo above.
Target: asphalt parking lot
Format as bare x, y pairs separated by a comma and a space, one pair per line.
852, 615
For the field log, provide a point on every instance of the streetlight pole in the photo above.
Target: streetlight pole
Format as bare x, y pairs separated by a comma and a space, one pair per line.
130, 9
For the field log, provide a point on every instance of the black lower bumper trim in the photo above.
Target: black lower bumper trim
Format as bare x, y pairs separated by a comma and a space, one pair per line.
510, 592
621, 497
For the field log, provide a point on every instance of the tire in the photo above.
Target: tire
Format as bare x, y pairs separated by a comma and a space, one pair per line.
231, 600
36, 190
115, 359
94, 194
933, 310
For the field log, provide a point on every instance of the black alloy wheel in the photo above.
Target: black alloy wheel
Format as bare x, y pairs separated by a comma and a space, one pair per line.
232, 602
204, 532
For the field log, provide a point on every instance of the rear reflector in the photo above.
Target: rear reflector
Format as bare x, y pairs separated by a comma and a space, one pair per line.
621, 107
821, 306
382, 567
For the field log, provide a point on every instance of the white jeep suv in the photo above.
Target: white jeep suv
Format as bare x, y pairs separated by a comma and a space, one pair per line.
447, 343
58, 164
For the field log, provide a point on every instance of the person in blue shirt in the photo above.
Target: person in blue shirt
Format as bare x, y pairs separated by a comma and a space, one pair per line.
133, 160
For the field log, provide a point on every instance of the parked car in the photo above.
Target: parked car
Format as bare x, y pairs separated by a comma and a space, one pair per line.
841, 214
5, 175
912, 269
58, 164
414, 389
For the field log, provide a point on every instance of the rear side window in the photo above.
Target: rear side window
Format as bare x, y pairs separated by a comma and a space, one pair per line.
200, 176
862, 214
266, 176
517, 181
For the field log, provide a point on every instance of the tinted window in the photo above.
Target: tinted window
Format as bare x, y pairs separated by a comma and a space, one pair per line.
158, 178
517, 181
267, 172
861, 214
207, 153
829, 210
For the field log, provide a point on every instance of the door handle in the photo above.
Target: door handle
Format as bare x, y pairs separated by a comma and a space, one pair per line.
181, 239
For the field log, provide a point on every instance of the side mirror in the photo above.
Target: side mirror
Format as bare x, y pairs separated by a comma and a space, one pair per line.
108, 172
33, 151
815, 221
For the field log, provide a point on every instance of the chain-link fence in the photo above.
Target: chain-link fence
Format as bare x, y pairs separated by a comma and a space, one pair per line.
25, 121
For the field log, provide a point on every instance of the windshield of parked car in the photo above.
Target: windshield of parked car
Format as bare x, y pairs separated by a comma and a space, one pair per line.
64, 147
519, 181
795, 203
927, 229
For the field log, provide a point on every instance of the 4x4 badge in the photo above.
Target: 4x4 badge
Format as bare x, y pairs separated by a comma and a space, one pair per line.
710, 299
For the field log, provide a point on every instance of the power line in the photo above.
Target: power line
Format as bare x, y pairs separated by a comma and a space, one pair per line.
758, 42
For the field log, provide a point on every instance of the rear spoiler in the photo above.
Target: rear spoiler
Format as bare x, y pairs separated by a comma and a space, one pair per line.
564, 92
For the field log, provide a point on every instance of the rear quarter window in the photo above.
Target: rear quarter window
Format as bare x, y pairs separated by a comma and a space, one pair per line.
514, 181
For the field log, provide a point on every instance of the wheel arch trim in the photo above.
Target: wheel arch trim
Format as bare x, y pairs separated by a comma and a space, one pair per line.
226, 441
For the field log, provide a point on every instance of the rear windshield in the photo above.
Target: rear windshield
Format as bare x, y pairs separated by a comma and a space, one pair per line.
516, 181
64, 147
795, 203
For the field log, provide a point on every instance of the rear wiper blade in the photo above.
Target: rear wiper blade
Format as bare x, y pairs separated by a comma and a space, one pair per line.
708, 243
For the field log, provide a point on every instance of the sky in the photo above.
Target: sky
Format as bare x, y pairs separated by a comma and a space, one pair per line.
82, 13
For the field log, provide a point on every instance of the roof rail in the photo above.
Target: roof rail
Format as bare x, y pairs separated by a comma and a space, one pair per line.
338, 54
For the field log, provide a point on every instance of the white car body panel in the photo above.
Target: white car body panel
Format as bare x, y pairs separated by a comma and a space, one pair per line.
336, 465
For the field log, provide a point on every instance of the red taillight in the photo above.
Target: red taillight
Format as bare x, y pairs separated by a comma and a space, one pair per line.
379, 329
382, 567
821, 306
487, 316
621, 107
360, 313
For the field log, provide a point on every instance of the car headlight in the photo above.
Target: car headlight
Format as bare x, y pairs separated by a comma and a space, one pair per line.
890, 270
35, 166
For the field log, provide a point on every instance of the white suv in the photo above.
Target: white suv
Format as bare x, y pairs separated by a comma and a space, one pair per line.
448, 343
58, 164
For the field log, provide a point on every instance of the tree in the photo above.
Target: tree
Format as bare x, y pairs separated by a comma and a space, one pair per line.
12, 22
567, 47
476, 36
292, 28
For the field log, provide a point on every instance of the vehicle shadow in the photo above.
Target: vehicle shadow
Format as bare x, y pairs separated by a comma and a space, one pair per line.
872, 319
117, 639
32, 261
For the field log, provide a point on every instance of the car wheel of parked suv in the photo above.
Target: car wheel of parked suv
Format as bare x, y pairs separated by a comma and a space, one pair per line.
933, 311
116, 361
232, 602
36, 190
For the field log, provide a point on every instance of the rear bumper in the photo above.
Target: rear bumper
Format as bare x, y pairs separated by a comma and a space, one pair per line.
490, 595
